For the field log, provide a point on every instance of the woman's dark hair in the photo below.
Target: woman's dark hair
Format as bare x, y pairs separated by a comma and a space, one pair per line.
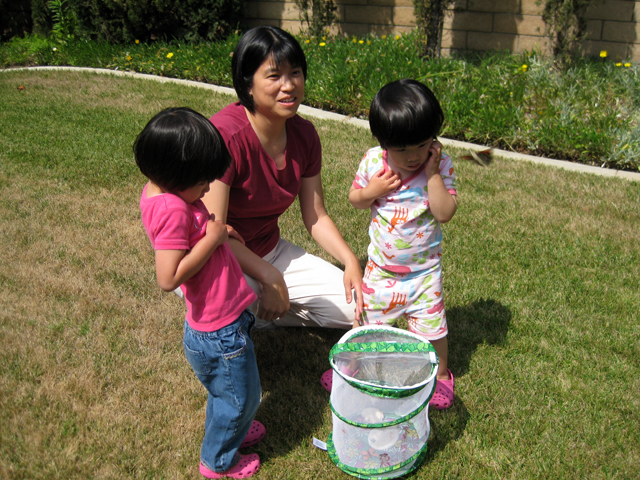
180, 148
405, 112
256, 46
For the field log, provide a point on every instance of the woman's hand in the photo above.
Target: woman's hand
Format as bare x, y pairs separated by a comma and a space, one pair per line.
233, 234
274, 296
353, 286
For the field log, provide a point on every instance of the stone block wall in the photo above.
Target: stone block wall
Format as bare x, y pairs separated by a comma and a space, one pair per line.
515, 25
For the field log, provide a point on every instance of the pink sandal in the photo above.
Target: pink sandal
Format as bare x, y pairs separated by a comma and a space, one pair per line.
256, 433
246, 467
443, 396
327, 377
327, 380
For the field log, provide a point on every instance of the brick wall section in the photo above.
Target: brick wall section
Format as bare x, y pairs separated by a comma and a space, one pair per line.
515, 25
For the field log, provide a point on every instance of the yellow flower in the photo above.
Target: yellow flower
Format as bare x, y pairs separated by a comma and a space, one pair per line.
384, 37
397, 37
169, 55
137, 41
322, 44
618, 64
524, 67
603, 54
129, 57
627, 64
368, 42
361, 42
355, 40
307, 41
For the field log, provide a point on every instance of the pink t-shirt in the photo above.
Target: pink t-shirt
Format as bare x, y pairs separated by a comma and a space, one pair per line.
259, 192
218, 293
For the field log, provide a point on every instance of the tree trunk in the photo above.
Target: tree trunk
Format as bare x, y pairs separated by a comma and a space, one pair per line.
434, 27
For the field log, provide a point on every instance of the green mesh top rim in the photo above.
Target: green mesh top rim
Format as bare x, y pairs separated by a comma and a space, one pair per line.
384, 347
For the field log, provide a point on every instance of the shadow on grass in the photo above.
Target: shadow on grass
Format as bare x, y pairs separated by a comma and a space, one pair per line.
482, 322
479, 323
291, 361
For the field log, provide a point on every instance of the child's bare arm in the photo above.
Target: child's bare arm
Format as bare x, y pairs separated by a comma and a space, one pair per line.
443, 205
380, 184
174, 267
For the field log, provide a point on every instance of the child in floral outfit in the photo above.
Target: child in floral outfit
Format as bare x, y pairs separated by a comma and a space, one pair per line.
410, 187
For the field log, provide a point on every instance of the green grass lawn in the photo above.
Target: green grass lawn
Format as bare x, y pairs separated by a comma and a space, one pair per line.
541, 273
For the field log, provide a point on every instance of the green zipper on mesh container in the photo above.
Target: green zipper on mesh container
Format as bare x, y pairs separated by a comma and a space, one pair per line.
391, 423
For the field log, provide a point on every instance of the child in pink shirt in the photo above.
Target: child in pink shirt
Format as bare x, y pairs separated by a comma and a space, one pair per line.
181, 153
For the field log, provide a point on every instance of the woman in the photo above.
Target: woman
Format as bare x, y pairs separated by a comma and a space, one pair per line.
276, 157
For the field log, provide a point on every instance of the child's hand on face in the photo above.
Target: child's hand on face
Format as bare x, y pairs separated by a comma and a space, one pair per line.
435, 155
383, 183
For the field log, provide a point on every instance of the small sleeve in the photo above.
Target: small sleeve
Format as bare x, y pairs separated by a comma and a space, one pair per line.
171, 230
368, 165
448, 174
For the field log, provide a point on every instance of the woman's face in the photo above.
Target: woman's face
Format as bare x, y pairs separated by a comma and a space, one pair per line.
277, 91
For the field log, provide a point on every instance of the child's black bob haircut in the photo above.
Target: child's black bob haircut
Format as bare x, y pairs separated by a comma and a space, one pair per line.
256, 46
404, 113
180, 148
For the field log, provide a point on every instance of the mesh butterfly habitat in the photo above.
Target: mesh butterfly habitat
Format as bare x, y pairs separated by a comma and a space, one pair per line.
383, 379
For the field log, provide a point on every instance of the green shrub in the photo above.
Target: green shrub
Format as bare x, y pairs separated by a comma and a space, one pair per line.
119, 21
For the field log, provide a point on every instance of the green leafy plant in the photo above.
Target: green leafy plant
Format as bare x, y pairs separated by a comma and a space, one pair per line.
120, 21
317, 15
63, 20
429, 20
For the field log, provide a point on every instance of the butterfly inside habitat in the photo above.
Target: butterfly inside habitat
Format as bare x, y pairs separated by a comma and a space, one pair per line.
483, 158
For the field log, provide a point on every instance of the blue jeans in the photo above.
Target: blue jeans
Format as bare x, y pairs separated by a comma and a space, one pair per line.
225, 363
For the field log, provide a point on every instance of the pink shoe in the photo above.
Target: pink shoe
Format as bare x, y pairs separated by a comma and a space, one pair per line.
443, 396
327, 380
327, 377
256, 433
246, 467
